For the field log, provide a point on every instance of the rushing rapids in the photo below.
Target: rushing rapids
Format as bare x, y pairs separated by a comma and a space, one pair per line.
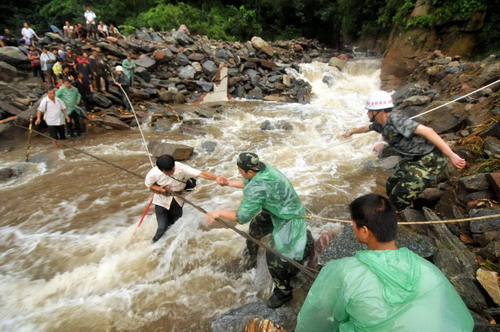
70, 259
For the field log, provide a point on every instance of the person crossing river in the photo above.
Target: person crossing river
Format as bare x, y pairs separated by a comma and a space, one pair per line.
271, 205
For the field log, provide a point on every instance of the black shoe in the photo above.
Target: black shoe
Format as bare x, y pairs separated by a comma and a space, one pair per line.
249, 261
279, 298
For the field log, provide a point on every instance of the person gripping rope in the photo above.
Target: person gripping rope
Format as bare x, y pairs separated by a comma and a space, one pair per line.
382, 289
271, 205
53, 108
172, 175
422, 162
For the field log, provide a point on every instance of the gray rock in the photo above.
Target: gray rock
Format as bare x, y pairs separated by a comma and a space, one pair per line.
417, 100
222, 53
182, 38
492, 147
476, 182
209, 146
178, 151
12, 55
162, 125
280, 124
251, 73
209, 68
452, 70
7, 174
206, 86
431, 194
55, 37
336, 62
156, 37
7, 72
449, 117
143, 73
182, 59
329, 79
143, 35
388, 163
112, 49
145, 62
187, 72
256, 93
346, 245
237, 319
166, 96
484, 225
113, 122
101, 100
9, 108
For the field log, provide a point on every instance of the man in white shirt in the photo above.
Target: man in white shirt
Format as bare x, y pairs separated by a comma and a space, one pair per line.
28, 34
102, 29
170, 175
90, 21
53, 108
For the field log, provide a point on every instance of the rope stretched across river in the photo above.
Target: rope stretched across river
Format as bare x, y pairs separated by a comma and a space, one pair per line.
308, 271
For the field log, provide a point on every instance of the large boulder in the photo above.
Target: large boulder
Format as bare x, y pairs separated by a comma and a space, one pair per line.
262, 45
187, 72
178, 151
12, 55
101, 100
209, 68
7, 72
182, 38
112, 49
145, 62
114, 122
445, 118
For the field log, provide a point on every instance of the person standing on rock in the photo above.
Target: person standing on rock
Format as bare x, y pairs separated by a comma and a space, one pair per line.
90, 17
34, 58
271, 205
71, 98
28, 34
53, 108
47, 61
383, 288
170, 175
99, 71
422, 162
122, 81
128, 69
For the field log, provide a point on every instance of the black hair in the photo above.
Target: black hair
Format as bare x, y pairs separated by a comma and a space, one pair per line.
378, 214
165, 163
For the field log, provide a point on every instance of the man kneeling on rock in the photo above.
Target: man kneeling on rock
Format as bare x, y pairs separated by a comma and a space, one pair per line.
271, 205
383, 288
170, 175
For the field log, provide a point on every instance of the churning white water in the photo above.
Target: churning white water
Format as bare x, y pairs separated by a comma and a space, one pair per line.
72, 259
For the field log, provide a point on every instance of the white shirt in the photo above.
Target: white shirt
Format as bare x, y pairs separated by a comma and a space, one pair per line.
27, 32
68, 28
182, 172
52, 111
103, 28
44, 58
90, 16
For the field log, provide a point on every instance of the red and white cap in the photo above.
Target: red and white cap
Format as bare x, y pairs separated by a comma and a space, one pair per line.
379, 100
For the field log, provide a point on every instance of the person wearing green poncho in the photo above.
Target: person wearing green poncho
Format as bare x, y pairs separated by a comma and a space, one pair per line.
71, 97
383, 288
268, 192
128, 69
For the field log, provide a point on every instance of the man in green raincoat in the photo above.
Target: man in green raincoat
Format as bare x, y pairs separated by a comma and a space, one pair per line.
271, 205
383, 288
128, 69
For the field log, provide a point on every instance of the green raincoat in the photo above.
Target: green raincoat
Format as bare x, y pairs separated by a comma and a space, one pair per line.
271, 192
383, 290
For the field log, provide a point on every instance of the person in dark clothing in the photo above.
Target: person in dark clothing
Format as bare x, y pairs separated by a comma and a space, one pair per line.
122, 80
34, 58
99, 71
84, 86
8, 38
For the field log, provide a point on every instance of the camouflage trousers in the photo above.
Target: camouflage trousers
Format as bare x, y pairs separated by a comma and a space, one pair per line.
281, 271
413, 176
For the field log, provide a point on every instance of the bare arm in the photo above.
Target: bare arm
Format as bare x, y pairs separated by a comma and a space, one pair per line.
38, 117
208, 176
222, 181
435, 139
225, 214
360, 130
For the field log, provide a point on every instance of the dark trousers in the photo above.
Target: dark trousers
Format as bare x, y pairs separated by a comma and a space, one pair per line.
281, 271
57, 132
38, 70
75, 126
97, 79
166, 218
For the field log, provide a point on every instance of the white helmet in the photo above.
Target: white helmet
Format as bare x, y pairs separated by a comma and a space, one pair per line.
379, 100
119, 68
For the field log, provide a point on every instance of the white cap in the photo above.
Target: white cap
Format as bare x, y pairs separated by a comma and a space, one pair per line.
379, 100
119, 68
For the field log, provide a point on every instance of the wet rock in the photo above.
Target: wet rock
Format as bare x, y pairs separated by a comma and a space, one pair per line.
166, 96
346, 245
114, 122
280, 124
474, 182
12, 55
417, 100
388, 163
9, 108
489, 281
101, 100
7, 174
336, 62
162, 125
237, 319
431, 194
256, 93
492, 147
209, 146
178, 151
328, 79
484, 225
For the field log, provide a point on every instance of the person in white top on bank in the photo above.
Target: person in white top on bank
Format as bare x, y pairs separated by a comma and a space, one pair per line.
53, 108
170, 175
90, 21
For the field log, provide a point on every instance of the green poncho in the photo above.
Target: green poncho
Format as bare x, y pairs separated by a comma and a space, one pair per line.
383, 290
271, 192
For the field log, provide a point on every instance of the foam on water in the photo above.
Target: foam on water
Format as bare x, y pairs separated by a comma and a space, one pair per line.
73, 258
